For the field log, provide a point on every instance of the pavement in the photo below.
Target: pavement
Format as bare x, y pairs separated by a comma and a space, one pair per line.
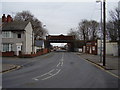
9, 67
112, 62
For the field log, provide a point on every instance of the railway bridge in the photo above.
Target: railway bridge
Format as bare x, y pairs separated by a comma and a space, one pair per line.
61, 39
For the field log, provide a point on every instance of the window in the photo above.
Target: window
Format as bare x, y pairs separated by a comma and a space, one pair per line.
19, 35
93, 48
7, 34
7, 47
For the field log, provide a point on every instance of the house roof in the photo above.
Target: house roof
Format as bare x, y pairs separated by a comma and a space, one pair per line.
15, 25
39, 43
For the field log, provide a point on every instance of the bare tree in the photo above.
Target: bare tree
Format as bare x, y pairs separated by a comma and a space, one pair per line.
74, 32
93, 30
23, 16
83, 30
112, 31
39, 30
88, 30
113, 25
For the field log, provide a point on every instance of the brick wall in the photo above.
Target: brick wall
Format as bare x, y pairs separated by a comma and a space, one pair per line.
91, 47
44, 51
8, 53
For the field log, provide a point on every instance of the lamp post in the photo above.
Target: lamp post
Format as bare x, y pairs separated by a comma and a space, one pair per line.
99, 1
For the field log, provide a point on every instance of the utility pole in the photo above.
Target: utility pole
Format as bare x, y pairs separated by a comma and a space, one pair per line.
104, 33
32, 42
119, 28
101, 52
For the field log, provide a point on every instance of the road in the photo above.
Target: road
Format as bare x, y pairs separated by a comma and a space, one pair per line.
59, 70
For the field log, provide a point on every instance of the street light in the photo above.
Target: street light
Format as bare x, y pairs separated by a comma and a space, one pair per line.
99, 1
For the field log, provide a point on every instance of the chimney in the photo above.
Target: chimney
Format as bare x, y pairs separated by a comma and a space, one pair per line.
4, 19
9, 18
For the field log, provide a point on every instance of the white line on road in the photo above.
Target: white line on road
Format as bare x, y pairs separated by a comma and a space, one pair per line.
50, 72
43, 74
36, 79
52, 75
58, 64
61, 63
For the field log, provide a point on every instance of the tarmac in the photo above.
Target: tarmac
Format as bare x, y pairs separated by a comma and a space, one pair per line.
112, 63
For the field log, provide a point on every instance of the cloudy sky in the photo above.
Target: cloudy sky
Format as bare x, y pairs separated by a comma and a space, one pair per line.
58, 15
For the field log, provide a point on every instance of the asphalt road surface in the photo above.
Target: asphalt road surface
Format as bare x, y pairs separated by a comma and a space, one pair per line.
59, 70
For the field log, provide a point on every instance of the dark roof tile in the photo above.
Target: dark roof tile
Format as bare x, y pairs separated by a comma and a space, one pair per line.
15, 25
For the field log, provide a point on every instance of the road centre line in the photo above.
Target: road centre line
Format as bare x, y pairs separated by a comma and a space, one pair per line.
61, 63
58, 64
52, 75
44, 74
36, 79
49, 73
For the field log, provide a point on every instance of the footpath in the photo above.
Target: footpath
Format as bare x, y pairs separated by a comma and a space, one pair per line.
8, 67
112, 62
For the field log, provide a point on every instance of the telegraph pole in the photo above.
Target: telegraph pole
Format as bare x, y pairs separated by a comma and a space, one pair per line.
104, 33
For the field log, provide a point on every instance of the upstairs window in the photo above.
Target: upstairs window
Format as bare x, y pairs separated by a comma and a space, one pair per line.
7, 34
19, 35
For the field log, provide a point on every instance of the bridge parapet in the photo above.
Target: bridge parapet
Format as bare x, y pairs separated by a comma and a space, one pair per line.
60, 38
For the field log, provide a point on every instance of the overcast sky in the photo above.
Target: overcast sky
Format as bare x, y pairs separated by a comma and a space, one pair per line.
58, 16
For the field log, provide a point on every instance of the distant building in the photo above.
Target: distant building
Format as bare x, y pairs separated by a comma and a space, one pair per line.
90, 48
96, 47
17, 36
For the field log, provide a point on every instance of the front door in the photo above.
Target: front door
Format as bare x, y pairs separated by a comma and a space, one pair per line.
18, 49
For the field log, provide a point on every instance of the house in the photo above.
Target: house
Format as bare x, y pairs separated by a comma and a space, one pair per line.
39, 45
17, 37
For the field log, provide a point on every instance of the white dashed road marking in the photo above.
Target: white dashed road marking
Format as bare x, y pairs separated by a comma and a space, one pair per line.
52, 75
52, 72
